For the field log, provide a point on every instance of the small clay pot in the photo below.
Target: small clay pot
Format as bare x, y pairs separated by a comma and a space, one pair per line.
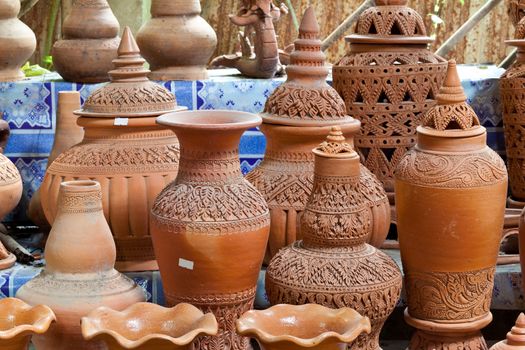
515, 339
287, 327
146, 326
17, 40
177, 41
19, 321
89, 42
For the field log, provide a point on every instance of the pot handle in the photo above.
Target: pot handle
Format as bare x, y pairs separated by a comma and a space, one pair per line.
4, 134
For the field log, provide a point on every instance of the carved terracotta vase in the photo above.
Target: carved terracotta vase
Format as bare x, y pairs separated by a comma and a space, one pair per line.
515, 339
19, 321
388, 79
79, 275
516, 11
283, 327
450, 199
89, 42
17, 40
333, 265
512, 89
177, 41
297, 117
210, 226
67, 134
10, 190
146, 326
123, 148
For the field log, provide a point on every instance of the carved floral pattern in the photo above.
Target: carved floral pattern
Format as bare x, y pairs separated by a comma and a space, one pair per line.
391, 20
84, 202
473, 341
8, 172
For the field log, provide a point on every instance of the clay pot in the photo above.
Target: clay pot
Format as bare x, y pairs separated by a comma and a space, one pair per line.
19, 321
210, 226
17, 40
516, 11
89, 42
146, 326
333, 265
67, 134
307, 326
177, 41
515, 338
79, 275
450, 199
123, 148
388, 79
297, 117
512, 88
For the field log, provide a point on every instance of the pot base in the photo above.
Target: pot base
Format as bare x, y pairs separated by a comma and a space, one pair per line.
179, 73
435, 335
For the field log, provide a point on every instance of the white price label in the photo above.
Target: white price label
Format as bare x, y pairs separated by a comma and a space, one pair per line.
186, 264
121, 121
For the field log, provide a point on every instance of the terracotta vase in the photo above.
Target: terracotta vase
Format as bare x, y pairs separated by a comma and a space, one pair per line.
512, 89
177, 41
515, 338
123, 148
210, 226
17, 40
516, 10
146, 326
89, 42
283, 327
79, 275
450, 199
388, 79
10, 190
333, 265
67, 134
297, 117
19, 321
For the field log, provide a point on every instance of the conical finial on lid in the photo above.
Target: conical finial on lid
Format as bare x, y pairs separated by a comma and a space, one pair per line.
129, 65
308, 47
451, 112
515, 338
335, 144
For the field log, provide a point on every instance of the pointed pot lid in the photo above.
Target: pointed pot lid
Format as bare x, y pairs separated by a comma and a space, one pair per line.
452, 116
335, 146
305, 99
390, 22
130, 93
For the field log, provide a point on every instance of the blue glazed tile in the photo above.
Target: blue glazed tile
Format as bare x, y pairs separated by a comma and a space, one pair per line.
248, 164
252, 143
184, 91
34, 143
32, 171
24, 105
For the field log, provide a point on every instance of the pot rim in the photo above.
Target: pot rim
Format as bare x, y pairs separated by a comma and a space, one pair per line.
210, 120
39, 326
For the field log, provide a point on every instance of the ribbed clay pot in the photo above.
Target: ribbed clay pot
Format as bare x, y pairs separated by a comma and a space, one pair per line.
79, 275
124, 149
450, 199
67, 134
177, 41
89, 42
19, 321
296, 118
333, 265
310, 326
210, 226
388, 79
146, 326
17, 40
515, 339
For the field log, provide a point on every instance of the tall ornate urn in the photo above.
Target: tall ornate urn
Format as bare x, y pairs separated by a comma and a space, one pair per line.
512, 88
89, 42
388, 79
450, 199
124, 149
296, 118
17, 41
177, 41
333, 265
210, 226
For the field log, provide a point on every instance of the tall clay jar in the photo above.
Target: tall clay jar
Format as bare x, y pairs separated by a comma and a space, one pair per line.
512, 89
388, 79
177, 41
17, 41
296, 118
450, 198
210, 226
79, 275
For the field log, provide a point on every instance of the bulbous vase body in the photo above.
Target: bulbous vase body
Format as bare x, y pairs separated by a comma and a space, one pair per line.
177, 41
17, 40
79, 274
210, 226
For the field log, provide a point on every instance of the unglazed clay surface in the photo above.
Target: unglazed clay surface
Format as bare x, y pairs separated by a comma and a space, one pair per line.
515, 339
